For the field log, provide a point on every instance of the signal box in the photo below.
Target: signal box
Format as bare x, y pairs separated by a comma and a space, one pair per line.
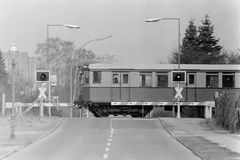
179, 76
42, 76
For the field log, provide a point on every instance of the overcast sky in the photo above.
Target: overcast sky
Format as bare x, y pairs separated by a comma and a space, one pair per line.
24, 23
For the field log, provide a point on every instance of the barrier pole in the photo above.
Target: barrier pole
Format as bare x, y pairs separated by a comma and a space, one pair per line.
3, 105
41, 108
178, 108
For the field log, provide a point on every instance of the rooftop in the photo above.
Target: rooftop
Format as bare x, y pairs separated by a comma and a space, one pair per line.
167, 66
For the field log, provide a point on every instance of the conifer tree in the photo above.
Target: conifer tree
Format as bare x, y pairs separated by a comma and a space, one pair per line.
208, 48
189, 45
199, 46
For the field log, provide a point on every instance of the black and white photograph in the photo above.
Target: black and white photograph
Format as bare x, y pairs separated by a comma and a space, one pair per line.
119, 80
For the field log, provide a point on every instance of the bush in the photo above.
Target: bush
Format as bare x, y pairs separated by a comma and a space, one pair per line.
160, 112
227, 110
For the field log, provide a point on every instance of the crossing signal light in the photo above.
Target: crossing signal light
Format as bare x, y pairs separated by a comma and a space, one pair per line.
178, 76
42, 76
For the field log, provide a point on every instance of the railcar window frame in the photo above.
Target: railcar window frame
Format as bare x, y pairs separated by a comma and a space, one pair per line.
115, 78
212, 84
97, 77
145, 83
223, 80
125, 81
120, 78
164, 74
191, 82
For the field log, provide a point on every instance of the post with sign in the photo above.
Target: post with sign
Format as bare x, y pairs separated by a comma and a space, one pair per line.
178, 77
52, 83
42, 96
42, 76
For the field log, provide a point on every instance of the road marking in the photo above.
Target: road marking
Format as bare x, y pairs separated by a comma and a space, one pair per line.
112, 131
105, 156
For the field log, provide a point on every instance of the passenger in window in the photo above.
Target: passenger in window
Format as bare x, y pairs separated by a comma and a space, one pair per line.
115, 80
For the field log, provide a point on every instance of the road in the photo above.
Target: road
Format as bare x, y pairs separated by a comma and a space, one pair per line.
93, 139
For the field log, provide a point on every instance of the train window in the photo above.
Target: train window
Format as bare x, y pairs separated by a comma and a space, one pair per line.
228, 80
212, 80
146, 79
162, 80
97, 76
191, 79
115, 78
125, 78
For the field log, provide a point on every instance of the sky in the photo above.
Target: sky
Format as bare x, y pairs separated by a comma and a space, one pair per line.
24, 22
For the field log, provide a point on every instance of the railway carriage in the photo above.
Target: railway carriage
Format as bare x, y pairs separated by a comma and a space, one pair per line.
127, 89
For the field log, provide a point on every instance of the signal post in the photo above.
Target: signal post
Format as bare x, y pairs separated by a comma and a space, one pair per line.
43, 77
178, 77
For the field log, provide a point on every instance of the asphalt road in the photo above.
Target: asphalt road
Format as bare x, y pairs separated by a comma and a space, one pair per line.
94, 139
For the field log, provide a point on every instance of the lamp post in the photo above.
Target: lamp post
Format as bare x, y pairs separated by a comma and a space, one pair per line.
178, 50
70, 26
13, 54
72, 94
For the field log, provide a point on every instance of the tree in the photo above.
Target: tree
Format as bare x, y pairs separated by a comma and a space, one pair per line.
56, 56
199, 46
189, 46
208, 48
3, 75
82, 57
59, 59
231, 58
3, 72
24, 89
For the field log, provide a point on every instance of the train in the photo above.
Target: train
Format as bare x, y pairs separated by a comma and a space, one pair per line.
115, 89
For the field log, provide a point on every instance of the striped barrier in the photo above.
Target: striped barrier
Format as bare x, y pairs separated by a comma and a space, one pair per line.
37, 104
19, 107
207, 103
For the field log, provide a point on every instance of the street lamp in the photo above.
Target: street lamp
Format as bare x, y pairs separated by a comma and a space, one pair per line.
72, 95
70, 26
178, 50
13, 54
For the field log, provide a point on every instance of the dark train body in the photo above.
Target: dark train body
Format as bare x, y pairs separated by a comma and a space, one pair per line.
115, 89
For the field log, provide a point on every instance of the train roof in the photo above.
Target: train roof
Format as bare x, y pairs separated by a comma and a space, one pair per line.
223, 67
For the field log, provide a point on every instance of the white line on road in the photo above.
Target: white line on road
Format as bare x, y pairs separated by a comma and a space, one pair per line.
105, 156
112, 130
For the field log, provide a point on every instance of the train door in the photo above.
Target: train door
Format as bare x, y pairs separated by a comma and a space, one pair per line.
120, 86
190, 87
